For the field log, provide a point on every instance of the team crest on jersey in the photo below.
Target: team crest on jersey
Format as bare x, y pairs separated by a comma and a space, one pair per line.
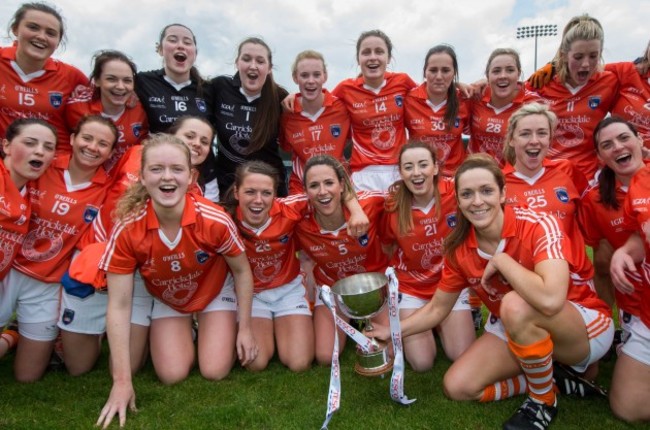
284, 239
56, 99
335, 129
136, 128
594, 101
562, 195
200, 103
399, 100
363, 240
201, 256
451, 220
68, 316
90, 213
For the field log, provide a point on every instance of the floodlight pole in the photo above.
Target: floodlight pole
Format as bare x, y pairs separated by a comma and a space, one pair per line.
536, 31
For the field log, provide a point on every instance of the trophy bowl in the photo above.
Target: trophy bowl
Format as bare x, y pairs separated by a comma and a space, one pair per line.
361, 297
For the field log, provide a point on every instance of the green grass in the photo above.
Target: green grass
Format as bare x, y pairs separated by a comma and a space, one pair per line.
273, 399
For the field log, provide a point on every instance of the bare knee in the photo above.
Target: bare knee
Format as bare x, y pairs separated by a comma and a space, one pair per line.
456, 387
216, 372
173, 376
626, 411
419, 364
299, 364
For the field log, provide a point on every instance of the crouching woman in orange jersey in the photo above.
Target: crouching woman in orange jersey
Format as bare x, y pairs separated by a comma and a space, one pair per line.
420, 212
281, 312
184, 247
328, 238
541, 298
27, 151
631, 378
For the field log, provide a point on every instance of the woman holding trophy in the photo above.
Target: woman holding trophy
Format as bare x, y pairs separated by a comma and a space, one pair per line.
280, 312
420, 213
541, 298
324, 237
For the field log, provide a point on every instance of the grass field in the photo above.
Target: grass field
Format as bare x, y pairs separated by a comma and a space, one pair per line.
273, 399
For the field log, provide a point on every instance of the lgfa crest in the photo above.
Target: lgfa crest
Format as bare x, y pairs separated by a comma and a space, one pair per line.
56, 99
136, 128
200, 104
451, 220
335, 129
201, 256
399, 100
363, 240
594, 102
562, 195
90, 213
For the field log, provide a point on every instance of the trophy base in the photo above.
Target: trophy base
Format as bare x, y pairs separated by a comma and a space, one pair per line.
374, 363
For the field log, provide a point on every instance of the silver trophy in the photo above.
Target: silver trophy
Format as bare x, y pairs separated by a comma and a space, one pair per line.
361, 297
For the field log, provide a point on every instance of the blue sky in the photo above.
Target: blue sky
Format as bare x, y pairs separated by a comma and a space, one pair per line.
473, 27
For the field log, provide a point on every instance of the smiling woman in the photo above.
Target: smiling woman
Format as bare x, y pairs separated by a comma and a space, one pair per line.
538, 292
247, 114
192, 260
375, 101
33, 84
581, 94
65, 200
113, 75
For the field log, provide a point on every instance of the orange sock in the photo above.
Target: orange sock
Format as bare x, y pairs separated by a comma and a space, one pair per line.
11, 337
536, 362
505, 389
474, 300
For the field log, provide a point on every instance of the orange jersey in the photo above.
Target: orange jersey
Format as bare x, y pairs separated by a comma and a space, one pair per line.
578, 114
132, 124
378, 129
14, 219
530, 237
425, 122
61, 213
304, 135
633, 99
556, 189
271, 249
637, 218
489, 124
186, 273
338, 255
125, 173
418, 257
42, 94
599, 222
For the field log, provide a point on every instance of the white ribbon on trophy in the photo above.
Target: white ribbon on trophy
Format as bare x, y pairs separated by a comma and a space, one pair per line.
367, 345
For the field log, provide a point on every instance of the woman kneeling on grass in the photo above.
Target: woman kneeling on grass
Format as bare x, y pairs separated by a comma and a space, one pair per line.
184, 247
541, 298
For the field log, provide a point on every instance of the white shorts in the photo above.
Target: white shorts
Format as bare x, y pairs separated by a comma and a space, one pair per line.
85, 316
34, 302
626, 321
495, 326
637, 345
598, 344
225, 301
375, 177
407, 301
88, 315
288, 299
142, 307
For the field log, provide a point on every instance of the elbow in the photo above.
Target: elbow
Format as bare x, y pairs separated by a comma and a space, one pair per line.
552, 306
